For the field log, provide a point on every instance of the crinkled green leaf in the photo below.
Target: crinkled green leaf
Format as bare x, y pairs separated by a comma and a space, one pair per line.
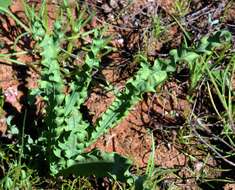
145, 80
70, 103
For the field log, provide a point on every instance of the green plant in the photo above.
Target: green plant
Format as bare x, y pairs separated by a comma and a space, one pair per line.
67, 134
198, 57
64, 86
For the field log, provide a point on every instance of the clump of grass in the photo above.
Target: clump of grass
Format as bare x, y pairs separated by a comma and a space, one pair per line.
181, 7
158, 28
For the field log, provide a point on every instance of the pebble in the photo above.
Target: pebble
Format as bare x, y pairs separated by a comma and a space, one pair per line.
113, 3
106, 8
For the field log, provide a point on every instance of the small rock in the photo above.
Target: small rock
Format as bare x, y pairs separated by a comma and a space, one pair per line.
113, 3
124, 3
198, 166
106, 8
11, 95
